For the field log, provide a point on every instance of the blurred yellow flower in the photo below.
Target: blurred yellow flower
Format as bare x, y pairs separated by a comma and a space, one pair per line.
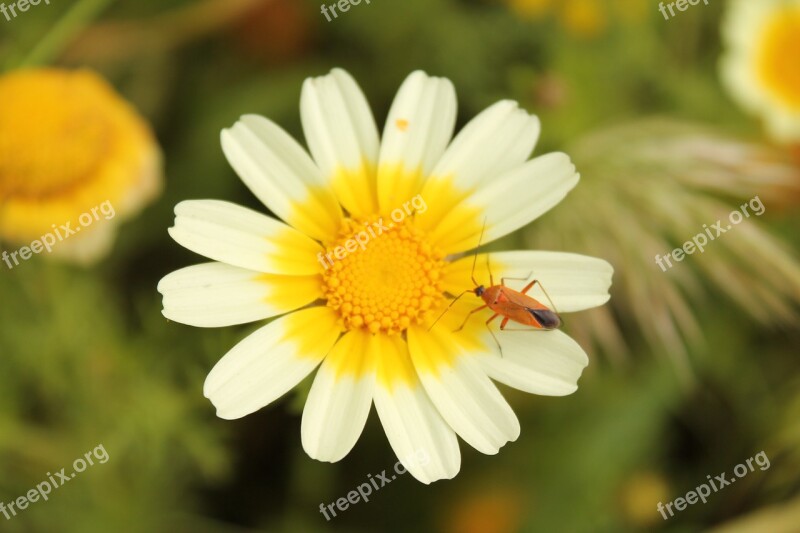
489, 508
69, 143
639, 496
760, 67
584, 18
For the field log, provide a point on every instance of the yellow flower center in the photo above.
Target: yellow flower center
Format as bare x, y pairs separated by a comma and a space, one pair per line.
53, 137
383, 276
777, 56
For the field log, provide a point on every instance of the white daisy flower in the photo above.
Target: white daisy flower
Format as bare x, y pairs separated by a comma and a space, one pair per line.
760, 67
365, 318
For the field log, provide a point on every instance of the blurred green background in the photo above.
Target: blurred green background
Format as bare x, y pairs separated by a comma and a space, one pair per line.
86, 357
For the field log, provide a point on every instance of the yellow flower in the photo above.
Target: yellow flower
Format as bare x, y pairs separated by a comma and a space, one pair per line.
489, 507
584, 18
68, 144
640, 495
760, 66
367, 257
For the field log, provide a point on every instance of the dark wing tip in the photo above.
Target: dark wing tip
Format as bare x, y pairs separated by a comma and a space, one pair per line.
546, 318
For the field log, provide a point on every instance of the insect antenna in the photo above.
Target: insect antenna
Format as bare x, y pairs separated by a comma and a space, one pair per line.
448, 308
471, 275
475, 255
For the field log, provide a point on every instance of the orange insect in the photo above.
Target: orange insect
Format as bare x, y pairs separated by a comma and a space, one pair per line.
508, 303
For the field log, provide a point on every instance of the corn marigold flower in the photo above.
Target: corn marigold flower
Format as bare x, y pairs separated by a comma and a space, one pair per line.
760, 66
365, 318
68, 143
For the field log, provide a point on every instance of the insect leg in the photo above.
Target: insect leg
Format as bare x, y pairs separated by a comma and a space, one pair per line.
503, 280
529, 285
549, 300
469, 315
492, 332
545, 293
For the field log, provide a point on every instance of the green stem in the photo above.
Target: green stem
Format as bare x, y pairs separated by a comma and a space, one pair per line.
77, 18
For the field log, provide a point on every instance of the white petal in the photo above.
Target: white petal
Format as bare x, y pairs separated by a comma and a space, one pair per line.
282, 175
339, 401
539, 362
573, 282
498, 139
343, 137
271, 361
215, 295
418, 129
462, 392
242, 237
509, 202
420, 438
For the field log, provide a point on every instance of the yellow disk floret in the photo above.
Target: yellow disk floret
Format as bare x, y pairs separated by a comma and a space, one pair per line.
390, 281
